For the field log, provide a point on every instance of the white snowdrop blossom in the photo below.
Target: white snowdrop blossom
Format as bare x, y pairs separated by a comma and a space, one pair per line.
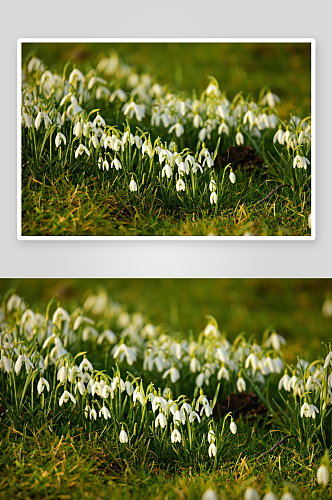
212, 450
176, 436
213, 197
308, 410
161, 420
240, 384
133, 185
233, 427
104, 412
251, 494
232, 177
59, 139
300, 162
239, 139
211, 436
65, 397
322, 475
80, 150
174, 374
209, 494
123, 437
41, 384
180, 185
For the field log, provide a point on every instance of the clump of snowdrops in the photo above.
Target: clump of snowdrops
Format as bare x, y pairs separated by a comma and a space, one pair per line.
137, 132
99, 366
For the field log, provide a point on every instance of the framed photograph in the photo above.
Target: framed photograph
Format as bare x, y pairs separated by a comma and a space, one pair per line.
166, 138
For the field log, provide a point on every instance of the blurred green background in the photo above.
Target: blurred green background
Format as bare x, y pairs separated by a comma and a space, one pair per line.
246, 67
292, 306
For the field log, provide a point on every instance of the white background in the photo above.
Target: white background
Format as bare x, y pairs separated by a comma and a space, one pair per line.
217, 19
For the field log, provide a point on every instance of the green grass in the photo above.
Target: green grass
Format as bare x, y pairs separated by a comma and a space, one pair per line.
42, 464
65, 198
97, 207
56, 459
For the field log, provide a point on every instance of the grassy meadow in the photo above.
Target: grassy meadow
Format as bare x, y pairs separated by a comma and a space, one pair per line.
160, 96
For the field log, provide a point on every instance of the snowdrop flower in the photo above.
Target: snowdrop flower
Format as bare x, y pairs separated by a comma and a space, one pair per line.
106, 165
284, 382
251, 494
232, 177
223, 373
212, 185
99, 121
138, 396
18, 364
93, 414
240, 384
249, 116
322, 475
209, 494
327, 306
270, 99
80, 150
276, 341
174, 374
77, 129
270, 496
308, 410
106, 391
179, 130
125, 351
62, 374
120, 94
132, 108
213, 197
26, 119
194, 365
223, 128
41, 384
212, 450
180, 185
107, 334
94, 140
239, 139
105, 412
211, 436
279, 136
80, 387
75, 76
301, 162
34, 64
252, 360
65, 397
116, 164
160, 420
85, 365
197, 121
328, 360
178, 417
183, 168
167, 170
159, 402
287, 496
176, 436
233, 427
132, 185
59, 139
123, 436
